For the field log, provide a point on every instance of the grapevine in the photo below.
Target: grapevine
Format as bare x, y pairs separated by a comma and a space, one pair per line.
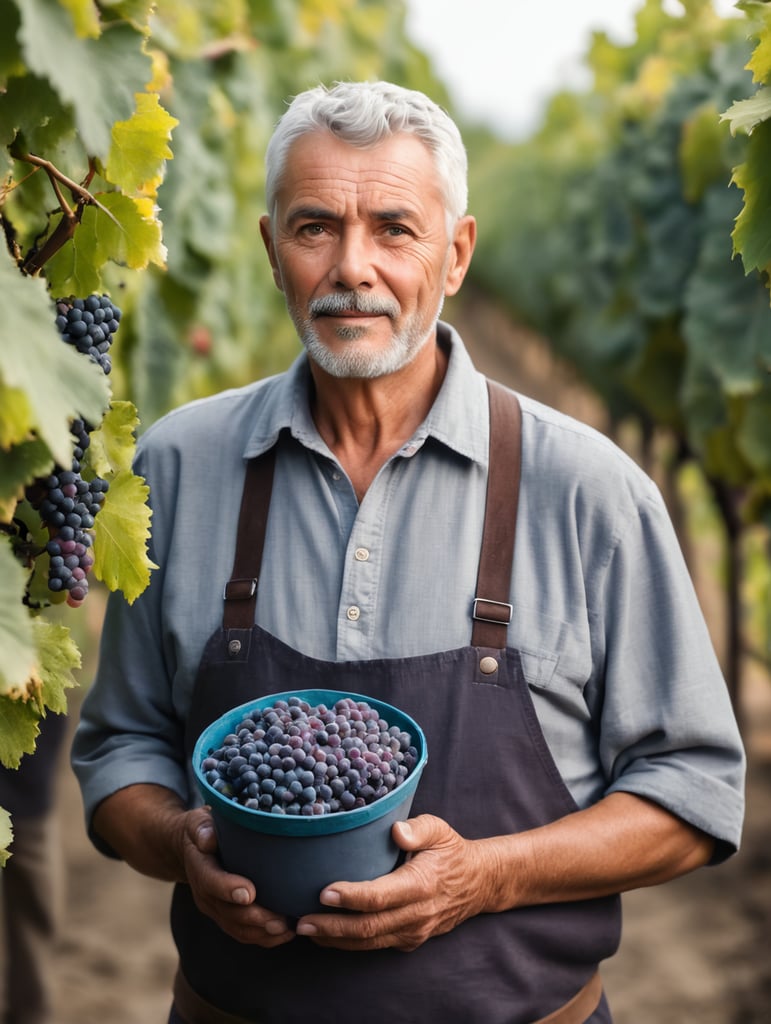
67, 503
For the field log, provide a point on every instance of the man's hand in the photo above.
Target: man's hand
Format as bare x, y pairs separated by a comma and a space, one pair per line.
227, 899
150, 828
623, 842
431, 893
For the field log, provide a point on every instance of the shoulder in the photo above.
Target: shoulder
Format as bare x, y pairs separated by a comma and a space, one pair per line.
563, 452
203, 416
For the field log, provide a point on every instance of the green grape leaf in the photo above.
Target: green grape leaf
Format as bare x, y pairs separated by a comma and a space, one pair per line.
752, 436
134, 241
701, 160
31, 107
112, 446
6, 836
19, 729
16, 639
140, 147
59, 382
746, 115
57, 656
11, 62
121, 532
18, 467
97, 77
752, 233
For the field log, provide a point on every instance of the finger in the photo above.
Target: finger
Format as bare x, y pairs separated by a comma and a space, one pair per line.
421, 833
345, 931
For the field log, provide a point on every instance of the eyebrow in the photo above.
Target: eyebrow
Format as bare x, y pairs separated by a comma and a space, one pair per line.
311, 213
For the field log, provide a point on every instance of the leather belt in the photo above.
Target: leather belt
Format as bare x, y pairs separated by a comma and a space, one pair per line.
580, 1008
195, 1010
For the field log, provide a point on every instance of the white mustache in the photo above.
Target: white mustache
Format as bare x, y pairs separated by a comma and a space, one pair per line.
353, 302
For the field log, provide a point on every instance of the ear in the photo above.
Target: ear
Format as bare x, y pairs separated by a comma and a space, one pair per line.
461, 251
267, 238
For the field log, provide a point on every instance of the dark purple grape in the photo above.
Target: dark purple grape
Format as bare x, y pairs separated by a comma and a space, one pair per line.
296, 755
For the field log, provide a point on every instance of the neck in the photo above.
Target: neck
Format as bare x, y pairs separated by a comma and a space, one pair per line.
364, 422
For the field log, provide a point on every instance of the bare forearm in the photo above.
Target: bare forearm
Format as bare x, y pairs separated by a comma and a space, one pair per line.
621, 843
145, 824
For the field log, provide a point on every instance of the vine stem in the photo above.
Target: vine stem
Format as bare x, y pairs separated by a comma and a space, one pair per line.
70, 219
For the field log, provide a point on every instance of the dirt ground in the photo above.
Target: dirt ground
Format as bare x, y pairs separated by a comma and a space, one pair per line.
694, 950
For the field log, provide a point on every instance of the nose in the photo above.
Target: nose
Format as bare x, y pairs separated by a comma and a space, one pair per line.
354, 265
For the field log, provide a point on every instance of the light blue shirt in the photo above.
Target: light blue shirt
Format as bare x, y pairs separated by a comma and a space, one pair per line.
619, 662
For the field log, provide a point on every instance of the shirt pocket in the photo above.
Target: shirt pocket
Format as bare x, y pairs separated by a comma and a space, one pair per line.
555, 654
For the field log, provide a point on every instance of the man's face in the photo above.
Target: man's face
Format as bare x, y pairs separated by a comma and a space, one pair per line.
359, 246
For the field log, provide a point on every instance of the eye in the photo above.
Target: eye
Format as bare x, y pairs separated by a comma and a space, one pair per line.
313, 229
396, 233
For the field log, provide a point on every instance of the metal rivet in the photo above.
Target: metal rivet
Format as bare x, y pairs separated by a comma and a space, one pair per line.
488, 666
234, 647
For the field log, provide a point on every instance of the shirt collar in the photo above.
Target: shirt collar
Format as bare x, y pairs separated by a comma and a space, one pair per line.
458, 419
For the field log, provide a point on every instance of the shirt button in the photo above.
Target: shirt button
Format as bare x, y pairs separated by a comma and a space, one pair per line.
361, 554
353, 613
336, 475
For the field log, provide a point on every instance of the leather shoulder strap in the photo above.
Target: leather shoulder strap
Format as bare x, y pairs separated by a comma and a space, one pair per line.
492, 612
241, 590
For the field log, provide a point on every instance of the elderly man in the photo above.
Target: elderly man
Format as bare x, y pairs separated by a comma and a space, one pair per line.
581, 740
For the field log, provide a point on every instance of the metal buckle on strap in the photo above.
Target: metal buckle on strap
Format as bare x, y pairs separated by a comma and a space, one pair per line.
239, 590
502, 618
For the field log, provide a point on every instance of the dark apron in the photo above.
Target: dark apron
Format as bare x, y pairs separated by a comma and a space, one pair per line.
489, 772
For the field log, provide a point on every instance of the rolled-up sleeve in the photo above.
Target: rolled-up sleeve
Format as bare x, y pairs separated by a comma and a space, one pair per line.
668, 731
129, 731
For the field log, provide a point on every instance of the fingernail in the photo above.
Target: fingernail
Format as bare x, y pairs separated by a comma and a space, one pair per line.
330, 897
275, 927
241, 896
306, 929
406, 830
204, 833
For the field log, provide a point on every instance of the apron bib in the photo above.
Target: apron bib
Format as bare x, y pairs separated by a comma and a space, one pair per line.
489, 772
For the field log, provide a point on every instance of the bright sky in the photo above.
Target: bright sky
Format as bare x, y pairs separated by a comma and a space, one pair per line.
501, 59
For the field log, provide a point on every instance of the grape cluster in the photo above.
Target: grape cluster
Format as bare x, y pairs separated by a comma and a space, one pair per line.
294, 758
89, 324
67, 503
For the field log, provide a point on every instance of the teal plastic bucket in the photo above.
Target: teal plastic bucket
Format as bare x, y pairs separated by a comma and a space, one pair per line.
290, 859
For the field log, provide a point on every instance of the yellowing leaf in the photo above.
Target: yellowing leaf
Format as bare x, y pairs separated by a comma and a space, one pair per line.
16, 640
134, 241
57, 656
121, 532
85, 17
6, 836
752, 233
19, 728
15, 416
112, 446
760, 62
746, 115
140, 147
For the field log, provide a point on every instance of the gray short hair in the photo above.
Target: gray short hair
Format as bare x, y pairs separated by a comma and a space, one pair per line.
364, 114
